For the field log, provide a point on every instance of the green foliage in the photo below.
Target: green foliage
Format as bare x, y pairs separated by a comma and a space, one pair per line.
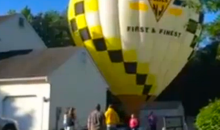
209, 117
11, 11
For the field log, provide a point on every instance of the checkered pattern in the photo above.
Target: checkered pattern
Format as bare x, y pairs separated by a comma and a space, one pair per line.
80, 27
116, 56
193, 28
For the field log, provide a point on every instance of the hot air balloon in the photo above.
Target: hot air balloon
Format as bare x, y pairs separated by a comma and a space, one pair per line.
139, 45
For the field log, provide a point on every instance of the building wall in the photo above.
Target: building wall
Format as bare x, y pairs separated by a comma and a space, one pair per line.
14, 37
40, 122
78, 84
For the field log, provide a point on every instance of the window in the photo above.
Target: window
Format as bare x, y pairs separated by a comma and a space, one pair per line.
21, 22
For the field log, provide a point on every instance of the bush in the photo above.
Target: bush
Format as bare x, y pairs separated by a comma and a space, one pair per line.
209, 117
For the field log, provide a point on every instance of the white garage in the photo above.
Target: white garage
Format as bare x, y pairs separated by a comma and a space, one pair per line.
36, 88
19, 106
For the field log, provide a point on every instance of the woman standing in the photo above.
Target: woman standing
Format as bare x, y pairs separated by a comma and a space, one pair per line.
133, 123
65, 118
70, 119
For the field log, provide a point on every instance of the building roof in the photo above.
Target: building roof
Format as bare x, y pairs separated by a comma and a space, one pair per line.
12, 53
161, 105
6, 17
38, 63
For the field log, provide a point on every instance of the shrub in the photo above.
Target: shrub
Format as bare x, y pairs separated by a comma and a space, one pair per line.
209, 117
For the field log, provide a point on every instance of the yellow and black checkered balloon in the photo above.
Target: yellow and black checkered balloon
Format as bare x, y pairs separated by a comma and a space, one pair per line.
139, 45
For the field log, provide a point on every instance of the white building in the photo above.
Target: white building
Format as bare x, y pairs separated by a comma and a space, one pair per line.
17, 34
35, 86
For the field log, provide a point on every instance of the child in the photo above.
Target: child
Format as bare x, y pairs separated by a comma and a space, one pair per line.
133, 123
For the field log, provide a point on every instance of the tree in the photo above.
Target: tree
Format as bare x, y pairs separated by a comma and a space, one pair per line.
10, 12
26, 11
209, 117
53, 28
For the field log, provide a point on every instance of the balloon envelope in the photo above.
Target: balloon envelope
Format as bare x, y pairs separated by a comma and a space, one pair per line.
139, 45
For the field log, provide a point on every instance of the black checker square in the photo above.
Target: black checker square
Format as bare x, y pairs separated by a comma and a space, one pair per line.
201, 17
130, 67
73, 25
190, 56
79, 8
146, 89
179, 3
141, 79
148, 97
194, 41
100, 44
84, 33
115, 56
192, 26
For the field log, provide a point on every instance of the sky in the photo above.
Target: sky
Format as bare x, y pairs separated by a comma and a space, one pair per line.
44, 5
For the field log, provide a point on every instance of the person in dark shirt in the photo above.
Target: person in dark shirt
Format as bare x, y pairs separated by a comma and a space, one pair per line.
96, 120
152, 120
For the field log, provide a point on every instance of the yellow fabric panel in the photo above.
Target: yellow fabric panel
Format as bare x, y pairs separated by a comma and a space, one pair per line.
113, 43
137, 90
104, 59
153, 89
77, 39
96, 32
151, 80
118, 69
91, 5
138, 6
175, 11
130, 55
81, 21
71, 15
89, 45
130, 81
76, 1
71, 12
143, 68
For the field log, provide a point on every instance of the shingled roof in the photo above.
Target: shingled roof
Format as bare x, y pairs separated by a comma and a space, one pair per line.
6, 17
38, 63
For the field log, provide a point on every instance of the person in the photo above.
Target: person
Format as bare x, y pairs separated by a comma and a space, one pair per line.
96, 120
111, 118
70, 119
65, 118
133, 123
152, 120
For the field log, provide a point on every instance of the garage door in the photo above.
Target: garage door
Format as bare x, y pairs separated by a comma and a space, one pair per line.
23, 110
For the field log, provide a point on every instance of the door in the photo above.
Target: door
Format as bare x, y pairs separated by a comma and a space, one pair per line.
23, 110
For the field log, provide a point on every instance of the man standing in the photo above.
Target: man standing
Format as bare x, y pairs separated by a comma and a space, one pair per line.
96, 120
152, 120
112, 118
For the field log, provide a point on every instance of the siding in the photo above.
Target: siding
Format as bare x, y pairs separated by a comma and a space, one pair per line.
80, 85
13, 37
